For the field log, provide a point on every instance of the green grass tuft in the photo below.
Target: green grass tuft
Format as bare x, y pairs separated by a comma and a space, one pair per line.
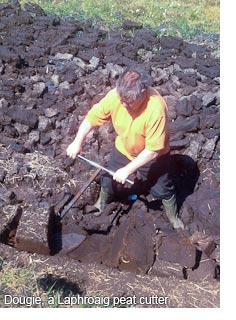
172, 17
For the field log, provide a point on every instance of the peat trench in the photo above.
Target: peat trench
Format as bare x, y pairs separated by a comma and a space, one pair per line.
52, 70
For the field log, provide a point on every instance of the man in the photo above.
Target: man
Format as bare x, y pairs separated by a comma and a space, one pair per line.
139, 117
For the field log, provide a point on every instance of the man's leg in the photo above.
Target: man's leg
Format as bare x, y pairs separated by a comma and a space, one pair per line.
158, 179
109, 187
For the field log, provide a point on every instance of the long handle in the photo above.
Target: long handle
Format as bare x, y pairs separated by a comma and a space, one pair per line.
76, 197
96, 165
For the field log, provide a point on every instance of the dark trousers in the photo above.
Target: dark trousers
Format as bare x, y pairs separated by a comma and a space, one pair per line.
155, 176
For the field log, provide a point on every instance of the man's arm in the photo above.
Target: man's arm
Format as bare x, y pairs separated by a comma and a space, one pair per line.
99, 114
76, 146
144, 157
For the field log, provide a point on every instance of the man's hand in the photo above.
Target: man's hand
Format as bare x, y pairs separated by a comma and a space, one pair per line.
76, 146
121, 175
73, 149
144, 157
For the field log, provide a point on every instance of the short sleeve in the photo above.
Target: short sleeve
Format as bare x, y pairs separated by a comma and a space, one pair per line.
100, 113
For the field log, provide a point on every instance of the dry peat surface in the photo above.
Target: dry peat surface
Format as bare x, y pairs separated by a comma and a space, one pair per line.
52, 70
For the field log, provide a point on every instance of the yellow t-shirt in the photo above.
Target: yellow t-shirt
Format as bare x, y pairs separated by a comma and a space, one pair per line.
147, 130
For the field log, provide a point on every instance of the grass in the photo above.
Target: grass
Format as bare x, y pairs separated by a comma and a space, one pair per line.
16, 281
30, 276
172, 17
30, 287
26, 282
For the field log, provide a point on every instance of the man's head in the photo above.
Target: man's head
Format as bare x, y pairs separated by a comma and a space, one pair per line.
131, 88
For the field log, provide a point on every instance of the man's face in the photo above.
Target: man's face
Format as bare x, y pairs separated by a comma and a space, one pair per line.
136, 104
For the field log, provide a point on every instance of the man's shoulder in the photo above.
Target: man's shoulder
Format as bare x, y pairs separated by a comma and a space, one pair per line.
112, 93
156, 102
154, 93
110, 98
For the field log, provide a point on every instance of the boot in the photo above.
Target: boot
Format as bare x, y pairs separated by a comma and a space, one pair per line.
102, 201
170, 206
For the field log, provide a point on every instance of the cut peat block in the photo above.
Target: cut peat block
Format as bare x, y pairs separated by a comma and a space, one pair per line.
32, 231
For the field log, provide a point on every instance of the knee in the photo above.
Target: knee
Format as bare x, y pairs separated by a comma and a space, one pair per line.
162, 193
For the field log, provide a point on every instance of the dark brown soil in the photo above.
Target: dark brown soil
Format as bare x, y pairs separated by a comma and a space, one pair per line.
51, 72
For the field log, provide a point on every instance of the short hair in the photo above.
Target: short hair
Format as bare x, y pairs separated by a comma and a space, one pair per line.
130, 84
